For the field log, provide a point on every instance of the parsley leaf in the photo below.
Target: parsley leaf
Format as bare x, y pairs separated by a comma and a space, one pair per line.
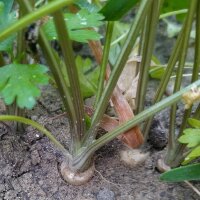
78, 26
20, 82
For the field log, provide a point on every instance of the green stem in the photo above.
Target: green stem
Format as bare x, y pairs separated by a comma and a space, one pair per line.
197, 46
66, 46
177, 12
54, 64
38, 127
152, 20
121, 61
2, 61
197, 112
164, 81
179, 73
175, 154
33, 16
104, 63
196, 66
88, 151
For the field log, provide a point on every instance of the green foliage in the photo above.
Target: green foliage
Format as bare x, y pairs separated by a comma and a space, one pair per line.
20, 82
115, 9
7, 6
78, 25
83, 4
6, 18
191, 137
175, 5
194, 123
156, 72
88, 77
189, 172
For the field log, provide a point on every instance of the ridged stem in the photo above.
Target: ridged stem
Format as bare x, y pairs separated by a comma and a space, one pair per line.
104, 63
152, 20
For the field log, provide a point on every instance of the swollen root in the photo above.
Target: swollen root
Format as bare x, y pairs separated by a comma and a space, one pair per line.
76, 178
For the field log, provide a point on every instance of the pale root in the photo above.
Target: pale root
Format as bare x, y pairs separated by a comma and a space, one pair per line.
76, 178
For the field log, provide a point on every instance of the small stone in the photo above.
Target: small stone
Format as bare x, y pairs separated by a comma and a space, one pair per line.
105, 194
35, 157
34, 118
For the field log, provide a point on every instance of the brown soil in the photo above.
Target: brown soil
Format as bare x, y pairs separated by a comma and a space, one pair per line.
29, 166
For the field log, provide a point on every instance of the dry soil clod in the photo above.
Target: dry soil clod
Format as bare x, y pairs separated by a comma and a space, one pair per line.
133, 157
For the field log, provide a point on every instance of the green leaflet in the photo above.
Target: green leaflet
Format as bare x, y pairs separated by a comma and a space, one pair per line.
191, 137
189, 172
115, 9
157, 72
6, 18
20, 82
88, 78
78, 26
83, 4
193, 155
194, 123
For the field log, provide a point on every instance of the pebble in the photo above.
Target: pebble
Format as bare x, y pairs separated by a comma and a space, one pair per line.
105, 194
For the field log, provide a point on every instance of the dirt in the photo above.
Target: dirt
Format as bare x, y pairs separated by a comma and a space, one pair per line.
29, 166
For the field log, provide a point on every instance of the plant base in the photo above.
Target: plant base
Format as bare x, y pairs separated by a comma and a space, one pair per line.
76, 178
162, 166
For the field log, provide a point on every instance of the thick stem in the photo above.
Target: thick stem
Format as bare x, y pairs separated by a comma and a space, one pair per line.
104, 63
65, 43
166, 77
179, 73
55, 66
152, 20
174, 155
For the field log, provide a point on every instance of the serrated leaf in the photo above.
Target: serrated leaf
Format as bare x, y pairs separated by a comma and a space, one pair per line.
194, 123
88, 79
193, 155
115, 9
83, 4
190, 172
78, 26
20, 82
191, 137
